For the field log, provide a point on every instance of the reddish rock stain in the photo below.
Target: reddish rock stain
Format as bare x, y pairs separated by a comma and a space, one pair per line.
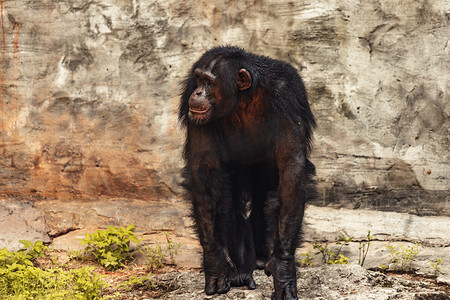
2, 80
13, 77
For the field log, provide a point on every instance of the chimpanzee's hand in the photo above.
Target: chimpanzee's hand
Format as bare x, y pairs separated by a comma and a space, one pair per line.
221, 283
284, 278
221, 273
216, 270
216, 284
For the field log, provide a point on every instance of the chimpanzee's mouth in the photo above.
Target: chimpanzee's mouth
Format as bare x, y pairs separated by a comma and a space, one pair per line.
199, 110
200, 115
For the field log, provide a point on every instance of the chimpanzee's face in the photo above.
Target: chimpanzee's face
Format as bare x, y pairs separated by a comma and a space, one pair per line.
206, 98
215, 96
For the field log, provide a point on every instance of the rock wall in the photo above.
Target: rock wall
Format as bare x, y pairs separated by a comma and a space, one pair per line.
89, 94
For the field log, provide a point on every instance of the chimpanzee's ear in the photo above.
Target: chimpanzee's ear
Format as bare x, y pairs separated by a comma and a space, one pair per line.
244, 80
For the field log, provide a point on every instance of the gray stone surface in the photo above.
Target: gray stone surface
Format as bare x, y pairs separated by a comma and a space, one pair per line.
327, 282
379, 255
325, 223
70, 215
20, 221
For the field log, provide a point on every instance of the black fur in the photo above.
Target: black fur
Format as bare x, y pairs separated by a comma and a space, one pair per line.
247, 170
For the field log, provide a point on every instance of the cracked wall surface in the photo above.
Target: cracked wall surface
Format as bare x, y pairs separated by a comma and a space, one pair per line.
89, 94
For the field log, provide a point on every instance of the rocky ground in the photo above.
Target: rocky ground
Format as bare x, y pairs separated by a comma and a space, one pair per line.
324, 282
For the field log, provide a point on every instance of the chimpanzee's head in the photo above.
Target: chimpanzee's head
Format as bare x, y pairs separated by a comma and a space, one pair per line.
216, 90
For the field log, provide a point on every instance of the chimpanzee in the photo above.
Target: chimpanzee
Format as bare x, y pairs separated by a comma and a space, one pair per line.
247, 173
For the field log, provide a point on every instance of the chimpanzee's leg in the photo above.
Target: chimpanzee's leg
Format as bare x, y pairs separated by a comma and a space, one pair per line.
239, 233
264, 178
242, 252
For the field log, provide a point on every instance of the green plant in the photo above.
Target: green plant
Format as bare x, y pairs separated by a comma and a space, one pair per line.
436, 267
33, 251
172, 248
364, 249
157, 255
112, 247
401, 257
24, 256
20, 279
341, 260
146, 284
137, 282
76, 255
28, 282
307, 259
333, 255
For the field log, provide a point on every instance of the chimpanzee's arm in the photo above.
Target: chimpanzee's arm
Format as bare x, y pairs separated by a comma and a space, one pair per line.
291, 159
209, 188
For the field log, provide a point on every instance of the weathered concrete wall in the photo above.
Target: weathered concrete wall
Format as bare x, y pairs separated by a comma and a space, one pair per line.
89, 93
